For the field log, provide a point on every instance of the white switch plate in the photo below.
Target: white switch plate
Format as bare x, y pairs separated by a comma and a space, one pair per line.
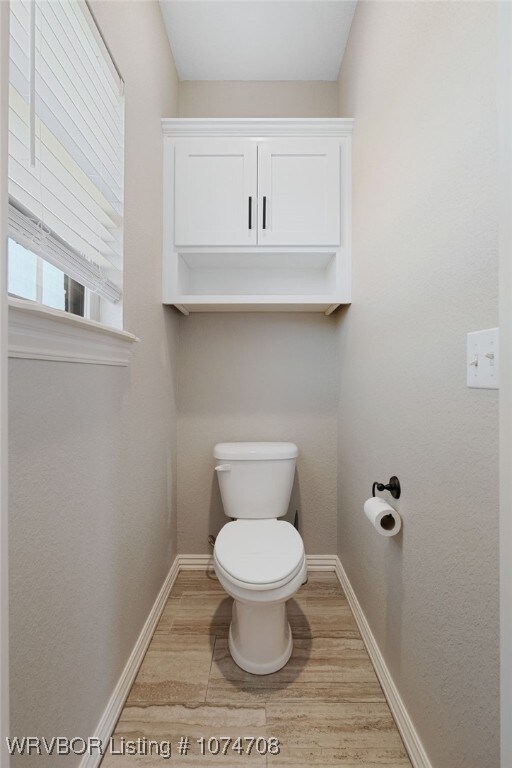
483, 359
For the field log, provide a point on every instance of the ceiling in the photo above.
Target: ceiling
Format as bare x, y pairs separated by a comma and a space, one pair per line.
258, 39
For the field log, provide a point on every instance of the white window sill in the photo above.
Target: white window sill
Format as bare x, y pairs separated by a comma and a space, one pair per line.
41, 333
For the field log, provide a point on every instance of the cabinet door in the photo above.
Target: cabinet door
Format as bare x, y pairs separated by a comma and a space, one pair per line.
299, 192
215, 192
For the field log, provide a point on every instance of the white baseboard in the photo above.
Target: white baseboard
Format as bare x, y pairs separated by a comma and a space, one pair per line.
201, 562
408, 732
195, 562
321, 562
108, 721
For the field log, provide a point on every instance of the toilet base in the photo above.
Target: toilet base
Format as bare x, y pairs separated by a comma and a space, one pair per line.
260, 638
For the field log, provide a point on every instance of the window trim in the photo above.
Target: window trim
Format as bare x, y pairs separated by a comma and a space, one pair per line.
37, 332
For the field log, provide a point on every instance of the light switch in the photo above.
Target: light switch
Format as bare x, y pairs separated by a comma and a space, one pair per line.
483, 359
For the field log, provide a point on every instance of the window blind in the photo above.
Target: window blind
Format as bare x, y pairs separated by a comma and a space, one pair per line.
66, 137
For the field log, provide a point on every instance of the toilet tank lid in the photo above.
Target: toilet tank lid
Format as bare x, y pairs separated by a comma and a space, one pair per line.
255, 451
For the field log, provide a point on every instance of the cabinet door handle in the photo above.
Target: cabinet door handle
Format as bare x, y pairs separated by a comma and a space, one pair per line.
264, 211
250, 212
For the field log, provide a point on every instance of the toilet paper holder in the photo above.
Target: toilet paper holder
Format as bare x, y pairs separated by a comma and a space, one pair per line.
393, 487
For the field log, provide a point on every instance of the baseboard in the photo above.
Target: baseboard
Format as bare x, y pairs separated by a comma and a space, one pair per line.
195, 562
106, 725
321, 562
409, 735
201, 562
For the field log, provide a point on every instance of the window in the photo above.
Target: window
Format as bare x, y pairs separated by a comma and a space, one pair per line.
66, 136
30, 277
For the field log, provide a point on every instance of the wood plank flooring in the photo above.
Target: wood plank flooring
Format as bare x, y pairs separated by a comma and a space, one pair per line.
326, 706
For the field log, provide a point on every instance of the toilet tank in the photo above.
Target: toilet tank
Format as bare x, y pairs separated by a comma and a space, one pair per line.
255, 479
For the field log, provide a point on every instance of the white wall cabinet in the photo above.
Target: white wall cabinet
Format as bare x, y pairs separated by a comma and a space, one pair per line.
241, 192
256, 214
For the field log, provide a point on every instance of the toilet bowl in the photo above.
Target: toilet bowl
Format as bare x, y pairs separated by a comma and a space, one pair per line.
259, 559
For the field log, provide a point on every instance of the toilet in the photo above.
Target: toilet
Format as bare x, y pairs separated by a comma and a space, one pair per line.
259, 559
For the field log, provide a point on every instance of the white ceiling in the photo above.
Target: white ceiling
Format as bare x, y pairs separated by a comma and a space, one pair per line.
258, 39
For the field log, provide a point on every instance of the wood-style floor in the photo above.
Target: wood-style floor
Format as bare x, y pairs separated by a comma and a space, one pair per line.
326, 706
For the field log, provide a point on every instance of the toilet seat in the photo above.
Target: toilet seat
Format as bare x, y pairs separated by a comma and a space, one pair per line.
259, 554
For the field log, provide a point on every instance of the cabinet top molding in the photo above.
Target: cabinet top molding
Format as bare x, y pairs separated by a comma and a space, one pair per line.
257, 127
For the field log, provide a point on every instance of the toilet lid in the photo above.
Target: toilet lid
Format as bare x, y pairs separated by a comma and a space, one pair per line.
259, 551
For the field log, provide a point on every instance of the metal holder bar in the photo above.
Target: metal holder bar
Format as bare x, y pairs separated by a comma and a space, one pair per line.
393, 487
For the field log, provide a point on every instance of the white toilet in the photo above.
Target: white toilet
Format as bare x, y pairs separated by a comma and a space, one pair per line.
259, 560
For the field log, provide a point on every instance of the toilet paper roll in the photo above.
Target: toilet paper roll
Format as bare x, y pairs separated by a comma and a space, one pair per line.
382, 516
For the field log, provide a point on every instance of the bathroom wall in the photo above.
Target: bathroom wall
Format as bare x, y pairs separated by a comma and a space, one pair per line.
4, 514
92, 450
505, 22
236, 98
420, 79
257, 376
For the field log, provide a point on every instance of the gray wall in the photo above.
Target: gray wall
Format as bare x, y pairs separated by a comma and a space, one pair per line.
92, 450
237, 98
420, 80
257, 377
